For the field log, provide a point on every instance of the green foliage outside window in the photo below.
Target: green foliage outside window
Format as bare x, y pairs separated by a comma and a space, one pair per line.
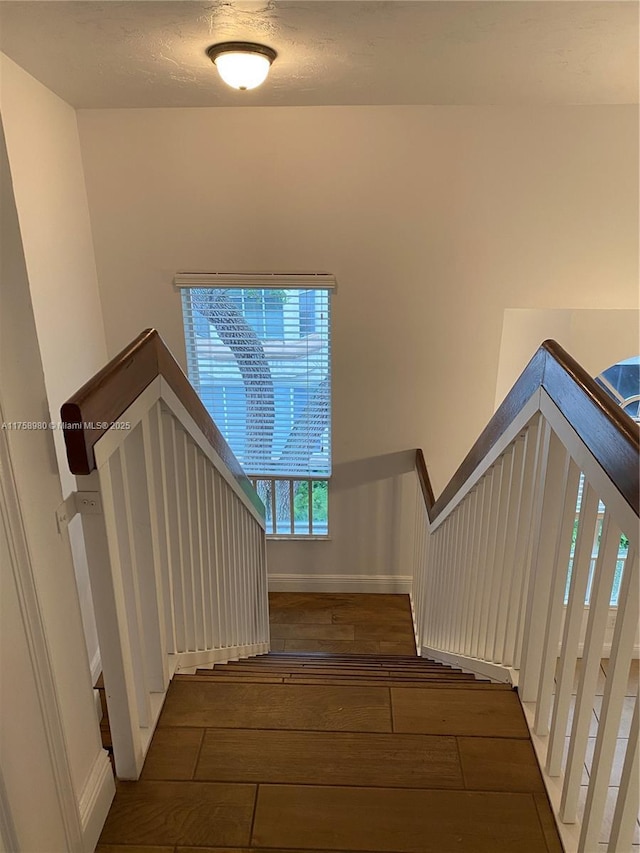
320, 501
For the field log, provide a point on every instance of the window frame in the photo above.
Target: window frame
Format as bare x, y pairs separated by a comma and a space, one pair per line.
291, 527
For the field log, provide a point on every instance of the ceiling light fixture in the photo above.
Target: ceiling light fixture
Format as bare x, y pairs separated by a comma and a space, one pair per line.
242, 64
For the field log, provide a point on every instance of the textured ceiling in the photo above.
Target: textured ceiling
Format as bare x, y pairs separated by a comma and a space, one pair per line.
144, 53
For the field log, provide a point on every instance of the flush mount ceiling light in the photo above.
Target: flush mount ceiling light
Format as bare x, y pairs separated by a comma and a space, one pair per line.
242, 64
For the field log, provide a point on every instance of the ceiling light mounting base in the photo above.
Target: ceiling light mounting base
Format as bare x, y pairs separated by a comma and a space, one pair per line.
216, 50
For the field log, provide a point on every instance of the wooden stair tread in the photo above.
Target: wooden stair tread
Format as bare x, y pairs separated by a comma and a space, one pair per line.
151, 812
365, 660
346, 682
338, 678
329, 758
414, 673
203, 701
431, 821
452, 677
492, 713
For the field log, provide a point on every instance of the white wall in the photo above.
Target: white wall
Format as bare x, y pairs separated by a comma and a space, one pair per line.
29, 770
434, 220
46, 169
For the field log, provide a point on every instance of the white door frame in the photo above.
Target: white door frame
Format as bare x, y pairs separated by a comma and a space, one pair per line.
11, 519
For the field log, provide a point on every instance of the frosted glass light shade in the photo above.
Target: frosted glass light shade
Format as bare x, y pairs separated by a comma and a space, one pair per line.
242, 66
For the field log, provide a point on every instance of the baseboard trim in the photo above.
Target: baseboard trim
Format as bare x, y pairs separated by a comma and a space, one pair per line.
494, 671
188, 662
95, 800
339, 583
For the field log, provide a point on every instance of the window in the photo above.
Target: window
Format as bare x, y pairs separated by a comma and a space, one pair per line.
258, 354
622, 382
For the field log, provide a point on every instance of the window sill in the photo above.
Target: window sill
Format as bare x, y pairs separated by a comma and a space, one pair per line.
299, 537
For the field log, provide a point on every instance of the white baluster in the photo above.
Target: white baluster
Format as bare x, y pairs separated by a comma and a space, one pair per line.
245, 590
174, 528
184, 521
485, 523
472, 594
545, 531
572, 625
497, 578
463, 586
569, 489
122, 527
235, 571
463, 572
594, 640
154, 465
431, 592
205, 549
615, 688
166, 549
214, 567
523, 549
470, 536
415, 574
193, 510
424, 543
445, 578
508, 555
221, 559
425, 567
488, 564
448, 601
255, 581
625, 816
233, 567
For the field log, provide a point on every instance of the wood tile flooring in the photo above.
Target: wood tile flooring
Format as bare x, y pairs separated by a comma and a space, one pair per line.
335, 752
341, 623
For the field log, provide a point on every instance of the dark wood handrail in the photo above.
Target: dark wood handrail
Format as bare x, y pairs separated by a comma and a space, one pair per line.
609, 433
86, 416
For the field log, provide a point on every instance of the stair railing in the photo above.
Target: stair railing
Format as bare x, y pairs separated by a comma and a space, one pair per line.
541, 517
174, 534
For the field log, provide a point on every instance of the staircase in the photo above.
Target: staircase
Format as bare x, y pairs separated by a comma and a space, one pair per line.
337, 670
351, 752
329, 752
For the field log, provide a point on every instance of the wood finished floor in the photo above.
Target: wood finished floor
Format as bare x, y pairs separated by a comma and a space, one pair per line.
376, 752
341, 624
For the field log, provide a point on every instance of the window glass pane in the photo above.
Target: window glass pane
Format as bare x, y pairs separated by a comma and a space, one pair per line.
260, 359
320, 507
622, 382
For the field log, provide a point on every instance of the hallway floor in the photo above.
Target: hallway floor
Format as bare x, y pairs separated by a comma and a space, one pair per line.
341, 623
337, 751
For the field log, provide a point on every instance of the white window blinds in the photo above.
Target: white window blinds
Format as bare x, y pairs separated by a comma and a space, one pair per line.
259, 357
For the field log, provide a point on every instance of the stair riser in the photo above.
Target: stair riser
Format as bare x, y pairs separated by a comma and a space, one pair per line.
376, 667
341, 656
372, 663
